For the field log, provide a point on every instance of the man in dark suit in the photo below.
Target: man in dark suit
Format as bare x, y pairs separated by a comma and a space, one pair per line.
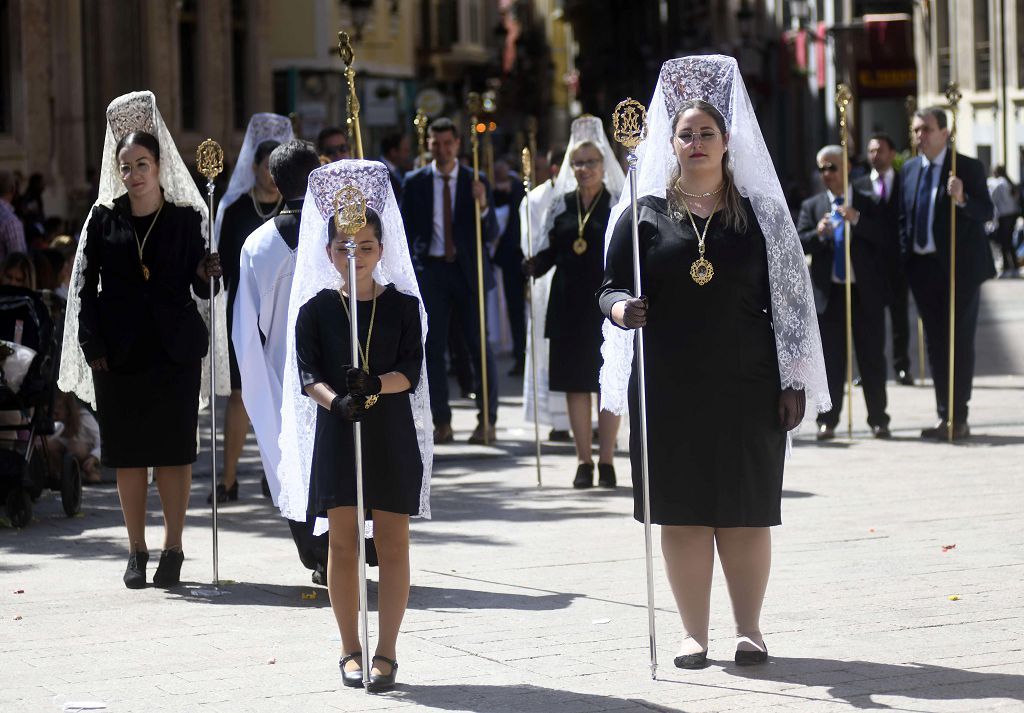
884, 184
396, 153
508, 192
925, 241
822, 231
440, 224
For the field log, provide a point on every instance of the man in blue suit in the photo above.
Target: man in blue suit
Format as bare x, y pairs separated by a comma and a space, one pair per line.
440, 224
928, 189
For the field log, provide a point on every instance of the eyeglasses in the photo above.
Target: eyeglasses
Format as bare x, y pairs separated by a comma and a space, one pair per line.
589, 163
337, 150
705, 136
827, 168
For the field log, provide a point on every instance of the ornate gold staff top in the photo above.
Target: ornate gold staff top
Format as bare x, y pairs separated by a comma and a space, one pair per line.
953, 96
210, 159
843, 97
348, 56
420, 122
629, 123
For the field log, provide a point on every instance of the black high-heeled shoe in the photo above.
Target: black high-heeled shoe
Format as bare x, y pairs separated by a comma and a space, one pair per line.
380, 682
351, 679
135, 573
224, 494
606, 475
584, 476
168, 572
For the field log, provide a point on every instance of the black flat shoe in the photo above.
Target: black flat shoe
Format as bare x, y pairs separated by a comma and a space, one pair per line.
224, 494
379, 682
168, 572
692, 661
751, 658
606, 475
135, 573
584, 476
881, 432
351, 679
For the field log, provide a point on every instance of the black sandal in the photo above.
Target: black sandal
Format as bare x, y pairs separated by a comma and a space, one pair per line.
351, 679
380, 682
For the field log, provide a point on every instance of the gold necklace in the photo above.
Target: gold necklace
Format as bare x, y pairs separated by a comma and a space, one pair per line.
701, 270
579, 246
142, 245
700, 195
364, 354
264, 217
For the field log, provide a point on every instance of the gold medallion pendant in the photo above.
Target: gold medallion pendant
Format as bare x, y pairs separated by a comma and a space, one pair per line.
702, 271
579, 246
370, 401
145, 272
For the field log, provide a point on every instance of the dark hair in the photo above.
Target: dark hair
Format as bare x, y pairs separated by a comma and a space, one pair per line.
936, 111
391, 142
442, 124
556, 154
290, 166
372, 219
326, 133
22, 262
7, 184
883, 137
140, 138
264, 149
732, 207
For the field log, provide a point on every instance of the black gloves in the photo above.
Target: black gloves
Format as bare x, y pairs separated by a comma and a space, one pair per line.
792, 403
349, 407
634, 315
359, 383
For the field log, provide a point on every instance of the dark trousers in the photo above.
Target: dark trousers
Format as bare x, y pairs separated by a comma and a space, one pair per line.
869, 345
929, 281
899, 315
514, 282
312, 550
445, 289
1004, 238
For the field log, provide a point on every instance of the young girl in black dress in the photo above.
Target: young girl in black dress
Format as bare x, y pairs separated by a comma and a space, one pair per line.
376, 393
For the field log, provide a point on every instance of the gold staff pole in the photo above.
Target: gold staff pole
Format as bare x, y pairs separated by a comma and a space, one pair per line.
629, 122
843, 97
350, 218
922, 366
531, 141
527, 185
953, 96
474, 104
348, 56
420, 122
210, 162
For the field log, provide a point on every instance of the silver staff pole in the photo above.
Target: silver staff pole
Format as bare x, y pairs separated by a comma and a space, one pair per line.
350, 217
210, 162
629, 122
527, 173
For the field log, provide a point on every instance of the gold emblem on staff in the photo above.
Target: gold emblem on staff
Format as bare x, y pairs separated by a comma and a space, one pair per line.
629, 123
702, 271
210, 159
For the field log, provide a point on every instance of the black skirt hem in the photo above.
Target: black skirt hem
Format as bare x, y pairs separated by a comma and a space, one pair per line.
329, 504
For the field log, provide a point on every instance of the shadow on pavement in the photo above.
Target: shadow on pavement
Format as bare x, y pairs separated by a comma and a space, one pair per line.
855, 682
512, 699
428, 598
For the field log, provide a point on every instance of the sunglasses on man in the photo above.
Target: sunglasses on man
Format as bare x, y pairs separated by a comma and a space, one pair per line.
827, 168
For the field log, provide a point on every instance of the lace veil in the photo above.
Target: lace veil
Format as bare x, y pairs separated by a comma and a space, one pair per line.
262, 127
315, 272
716, 79
137, 111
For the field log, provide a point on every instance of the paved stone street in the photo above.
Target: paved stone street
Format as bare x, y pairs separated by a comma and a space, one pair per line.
532, 599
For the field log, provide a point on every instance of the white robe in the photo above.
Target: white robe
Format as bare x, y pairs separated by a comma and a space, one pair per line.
549, 411
266, 268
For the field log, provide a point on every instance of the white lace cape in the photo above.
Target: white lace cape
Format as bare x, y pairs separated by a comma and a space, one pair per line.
262, 127
716, 79
315, 272
137, 111
548, 205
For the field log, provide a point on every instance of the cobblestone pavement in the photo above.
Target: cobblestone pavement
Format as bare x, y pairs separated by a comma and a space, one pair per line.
532, 599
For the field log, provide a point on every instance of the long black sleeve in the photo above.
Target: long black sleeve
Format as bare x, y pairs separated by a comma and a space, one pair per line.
618, 270
88, 319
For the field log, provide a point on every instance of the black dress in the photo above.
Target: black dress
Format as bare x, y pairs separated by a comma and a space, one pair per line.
240, 220
392, 467
574, 317
715, 447
150, 332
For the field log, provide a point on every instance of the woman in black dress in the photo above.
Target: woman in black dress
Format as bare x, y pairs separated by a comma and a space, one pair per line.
251, 210
718, 417
377, 395
573, 318
144, 339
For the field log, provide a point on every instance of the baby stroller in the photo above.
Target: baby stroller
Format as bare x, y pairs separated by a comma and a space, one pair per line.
28, 367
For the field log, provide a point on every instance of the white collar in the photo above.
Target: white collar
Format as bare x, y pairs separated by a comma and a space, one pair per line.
875, 175
437, 172
939, 160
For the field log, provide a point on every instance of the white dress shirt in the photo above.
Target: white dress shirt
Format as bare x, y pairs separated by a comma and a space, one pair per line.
887, 178
929, 248
437, 239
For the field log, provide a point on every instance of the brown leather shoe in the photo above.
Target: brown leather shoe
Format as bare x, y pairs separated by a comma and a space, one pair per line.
940, 431
826, 432
443, 434
478, 435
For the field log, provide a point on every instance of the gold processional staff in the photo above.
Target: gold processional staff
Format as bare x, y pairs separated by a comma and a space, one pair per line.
843, 97
953, 96
474, 105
